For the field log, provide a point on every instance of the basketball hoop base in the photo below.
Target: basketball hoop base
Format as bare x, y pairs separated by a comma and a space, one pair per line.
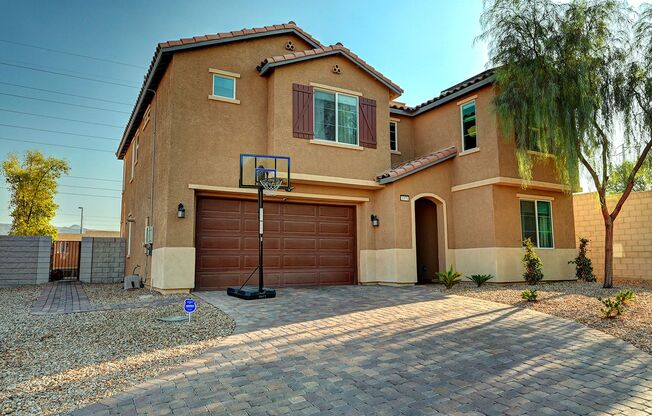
251, 292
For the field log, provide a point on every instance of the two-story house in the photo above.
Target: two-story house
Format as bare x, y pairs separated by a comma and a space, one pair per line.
383, 193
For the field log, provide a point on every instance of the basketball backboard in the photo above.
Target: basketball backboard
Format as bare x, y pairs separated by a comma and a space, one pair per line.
253, 168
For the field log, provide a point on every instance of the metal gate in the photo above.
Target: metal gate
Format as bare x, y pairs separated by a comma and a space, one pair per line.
64, 260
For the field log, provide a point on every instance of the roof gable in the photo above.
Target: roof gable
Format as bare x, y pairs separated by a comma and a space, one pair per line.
416, 165
268, 64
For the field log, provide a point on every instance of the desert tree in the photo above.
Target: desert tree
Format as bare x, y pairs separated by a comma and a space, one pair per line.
573, 80
32, 185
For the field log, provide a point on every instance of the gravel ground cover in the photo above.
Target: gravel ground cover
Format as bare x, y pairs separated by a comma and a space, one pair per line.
102, 294
577, 301
51, 364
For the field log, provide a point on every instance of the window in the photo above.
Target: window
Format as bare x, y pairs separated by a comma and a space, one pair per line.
393, 136
129, 239
336, 117
469, 132
134, 156
536, 222
223, 86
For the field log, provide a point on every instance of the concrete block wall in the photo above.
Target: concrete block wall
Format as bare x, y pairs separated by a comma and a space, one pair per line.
102, 260
632, 234
24, 260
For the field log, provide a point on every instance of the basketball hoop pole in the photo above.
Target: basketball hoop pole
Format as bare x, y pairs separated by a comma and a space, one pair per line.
260, 239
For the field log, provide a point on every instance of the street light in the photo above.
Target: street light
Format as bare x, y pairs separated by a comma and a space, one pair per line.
81, 222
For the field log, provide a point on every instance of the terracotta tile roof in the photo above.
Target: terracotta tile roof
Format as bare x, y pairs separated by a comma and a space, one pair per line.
474, 80
416, 165
274, 61
163, 55
238, 33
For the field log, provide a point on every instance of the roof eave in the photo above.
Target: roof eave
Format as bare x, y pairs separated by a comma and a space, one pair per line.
270, 66
391, 179
120, 152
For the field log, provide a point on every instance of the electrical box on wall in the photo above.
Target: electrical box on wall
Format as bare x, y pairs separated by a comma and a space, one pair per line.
149, 234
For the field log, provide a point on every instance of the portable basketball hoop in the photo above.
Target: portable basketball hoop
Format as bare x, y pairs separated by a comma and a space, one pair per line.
265, 173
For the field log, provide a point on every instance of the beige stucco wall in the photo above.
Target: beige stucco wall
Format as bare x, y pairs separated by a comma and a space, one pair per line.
405, 129
632, 234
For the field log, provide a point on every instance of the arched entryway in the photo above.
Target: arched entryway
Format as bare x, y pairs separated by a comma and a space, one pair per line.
429, 237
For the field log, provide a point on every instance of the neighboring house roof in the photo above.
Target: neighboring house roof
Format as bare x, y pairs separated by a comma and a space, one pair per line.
475, 82
268, 64
415, 165
163, 55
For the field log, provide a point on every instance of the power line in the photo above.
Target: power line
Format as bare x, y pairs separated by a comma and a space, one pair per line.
57, 145
70, 53
91, 195
62, 102
60, 118
89, 216
65, 93
91, 187
93, 179
67, 70
65, 74
59, 132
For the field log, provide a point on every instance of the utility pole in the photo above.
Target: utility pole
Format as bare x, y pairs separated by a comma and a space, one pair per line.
81, 221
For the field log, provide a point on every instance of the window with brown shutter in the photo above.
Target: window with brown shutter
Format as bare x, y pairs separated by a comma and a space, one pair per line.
302, 114
367, 111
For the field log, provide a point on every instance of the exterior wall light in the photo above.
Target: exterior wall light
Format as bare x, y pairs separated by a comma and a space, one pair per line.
181, 211
374, 220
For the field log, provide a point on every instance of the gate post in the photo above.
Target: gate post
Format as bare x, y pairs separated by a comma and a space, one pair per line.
43, 259
86, 259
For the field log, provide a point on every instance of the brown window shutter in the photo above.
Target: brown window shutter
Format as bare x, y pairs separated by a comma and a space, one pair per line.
367, 122
302, 114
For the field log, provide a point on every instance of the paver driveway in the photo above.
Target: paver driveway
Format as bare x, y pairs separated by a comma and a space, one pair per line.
394, 351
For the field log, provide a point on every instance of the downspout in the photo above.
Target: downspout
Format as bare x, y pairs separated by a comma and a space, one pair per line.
150, 219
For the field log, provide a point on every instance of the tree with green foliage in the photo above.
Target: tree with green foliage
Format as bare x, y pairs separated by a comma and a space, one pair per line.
33, 184
571, 79
620, 175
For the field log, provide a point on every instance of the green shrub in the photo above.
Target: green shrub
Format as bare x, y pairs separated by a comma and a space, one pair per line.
533, 273
449, 278
530, 295
612, 308
625, 296
480, 279
583, 265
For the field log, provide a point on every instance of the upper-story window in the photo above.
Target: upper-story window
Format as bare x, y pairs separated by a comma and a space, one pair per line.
393, 136
336, 117
469, 126
536, 222
134, 156
223, 86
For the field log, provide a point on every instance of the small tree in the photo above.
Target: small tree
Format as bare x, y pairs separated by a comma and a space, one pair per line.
583, 265
620, 176
574, 80
533, 273
33, 184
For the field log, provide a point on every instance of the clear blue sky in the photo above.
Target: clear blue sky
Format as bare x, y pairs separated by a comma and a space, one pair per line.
423, 46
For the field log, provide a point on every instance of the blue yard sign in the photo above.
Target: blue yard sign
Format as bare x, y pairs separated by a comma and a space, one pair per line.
189, 306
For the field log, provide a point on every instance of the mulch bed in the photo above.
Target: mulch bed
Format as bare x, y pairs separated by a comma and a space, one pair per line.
577, 301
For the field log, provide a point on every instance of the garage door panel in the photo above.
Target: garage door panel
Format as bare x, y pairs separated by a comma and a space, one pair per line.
334, 228
297, 243
220, 243
336, 244
305, 244
299, 227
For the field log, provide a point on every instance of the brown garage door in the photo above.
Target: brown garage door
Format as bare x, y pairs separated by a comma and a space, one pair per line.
305, 244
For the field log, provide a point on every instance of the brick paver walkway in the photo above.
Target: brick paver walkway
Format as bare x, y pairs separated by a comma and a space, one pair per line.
67, 296
396, 351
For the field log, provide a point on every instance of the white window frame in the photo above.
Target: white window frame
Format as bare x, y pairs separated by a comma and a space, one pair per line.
129, 225
395, 123
536, 222
337, 130
235, 85
134, 157
477, 130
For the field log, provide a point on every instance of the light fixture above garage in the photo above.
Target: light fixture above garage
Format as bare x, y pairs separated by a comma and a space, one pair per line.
374, 220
